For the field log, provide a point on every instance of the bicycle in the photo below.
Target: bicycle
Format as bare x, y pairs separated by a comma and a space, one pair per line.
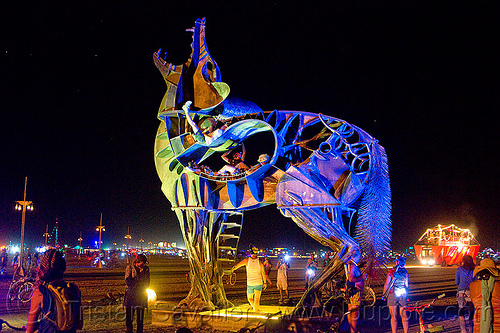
111, 298
3, 322
231, 279
419, 309
95, 262
335, 327
258, 327
337, 289
21, 289
112, 264
368, 296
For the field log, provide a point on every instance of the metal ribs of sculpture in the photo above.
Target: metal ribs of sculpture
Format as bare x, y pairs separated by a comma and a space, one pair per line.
319, 170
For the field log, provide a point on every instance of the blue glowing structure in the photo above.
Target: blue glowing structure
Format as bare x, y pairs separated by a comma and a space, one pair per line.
220, 156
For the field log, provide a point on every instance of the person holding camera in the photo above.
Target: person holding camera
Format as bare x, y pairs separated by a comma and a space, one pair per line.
282, 278
137, 279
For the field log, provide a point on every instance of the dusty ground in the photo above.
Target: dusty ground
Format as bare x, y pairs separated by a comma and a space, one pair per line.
168, 279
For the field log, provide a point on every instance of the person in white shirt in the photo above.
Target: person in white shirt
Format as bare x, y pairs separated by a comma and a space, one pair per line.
282, 278
257, 280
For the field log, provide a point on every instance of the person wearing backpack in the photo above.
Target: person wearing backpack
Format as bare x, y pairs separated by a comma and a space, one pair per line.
55, 304
136, 299
396, 294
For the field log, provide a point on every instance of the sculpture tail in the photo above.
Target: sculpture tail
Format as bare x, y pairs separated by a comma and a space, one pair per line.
373, 230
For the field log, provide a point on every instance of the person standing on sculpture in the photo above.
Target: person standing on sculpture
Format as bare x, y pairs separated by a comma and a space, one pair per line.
257, 280
206, 132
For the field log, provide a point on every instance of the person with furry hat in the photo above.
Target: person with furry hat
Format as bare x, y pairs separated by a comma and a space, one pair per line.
50, 273
137, 280
485, 294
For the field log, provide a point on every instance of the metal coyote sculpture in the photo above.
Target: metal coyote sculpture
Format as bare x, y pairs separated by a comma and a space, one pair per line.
219, 156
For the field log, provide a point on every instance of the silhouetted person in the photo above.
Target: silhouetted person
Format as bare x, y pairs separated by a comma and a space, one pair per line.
463, 279
136, 298
50, 273
485, 294
396, 286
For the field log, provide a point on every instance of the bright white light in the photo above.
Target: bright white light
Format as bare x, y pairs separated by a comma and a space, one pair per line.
151, 295
400, 292
41, 249
287, 257
431, 262
423, 261
310, 272
15, 249
245, 315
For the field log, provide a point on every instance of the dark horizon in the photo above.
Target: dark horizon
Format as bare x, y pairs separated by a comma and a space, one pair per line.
80, 93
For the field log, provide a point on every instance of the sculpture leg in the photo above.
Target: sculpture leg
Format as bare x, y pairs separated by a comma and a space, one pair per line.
200, 230
331, 270
325, 225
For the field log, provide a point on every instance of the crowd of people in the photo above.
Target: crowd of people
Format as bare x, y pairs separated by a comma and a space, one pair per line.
478, 295
478, 291
55, 305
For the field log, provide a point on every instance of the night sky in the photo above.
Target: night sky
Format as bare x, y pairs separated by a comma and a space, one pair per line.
79, 94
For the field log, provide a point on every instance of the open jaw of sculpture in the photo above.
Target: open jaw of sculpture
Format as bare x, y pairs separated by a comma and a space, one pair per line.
229, 156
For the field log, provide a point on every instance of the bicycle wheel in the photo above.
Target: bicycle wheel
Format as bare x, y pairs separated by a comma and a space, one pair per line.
26, 292
369, 297
231, 279
13, 292
327, 289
